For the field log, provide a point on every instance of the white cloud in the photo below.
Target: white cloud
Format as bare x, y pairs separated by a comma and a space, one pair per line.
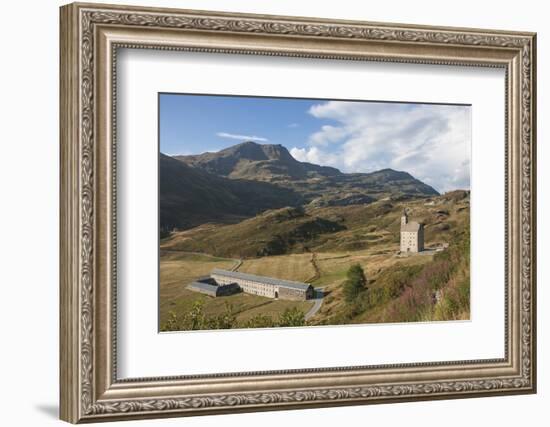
431, 142
241, 137
314, 155
327, 134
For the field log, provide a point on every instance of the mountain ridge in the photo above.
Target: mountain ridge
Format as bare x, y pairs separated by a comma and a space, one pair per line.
252, 160
226, 162
248, 178
190, 197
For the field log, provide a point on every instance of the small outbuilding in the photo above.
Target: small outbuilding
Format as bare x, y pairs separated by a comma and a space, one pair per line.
208, 286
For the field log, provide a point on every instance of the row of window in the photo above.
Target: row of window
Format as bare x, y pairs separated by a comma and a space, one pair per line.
255, 287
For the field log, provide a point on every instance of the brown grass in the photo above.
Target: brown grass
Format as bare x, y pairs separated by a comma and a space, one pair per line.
178, 269
370, 240
289, 267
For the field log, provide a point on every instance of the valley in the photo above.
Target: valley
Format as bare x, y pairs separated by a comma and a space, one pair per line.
291, 212
318, 244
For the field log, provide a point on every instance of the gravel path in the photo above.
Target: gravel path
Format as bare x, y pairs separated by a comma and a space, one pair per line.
319, 295
237, 265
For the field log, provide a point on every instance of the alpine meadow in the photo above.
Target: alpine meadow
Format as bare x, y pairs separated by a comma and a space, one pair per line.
285, 212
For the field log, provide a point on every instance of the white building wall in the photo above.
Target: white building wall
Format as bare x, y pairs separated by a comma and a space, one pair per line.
409, 241
249, 286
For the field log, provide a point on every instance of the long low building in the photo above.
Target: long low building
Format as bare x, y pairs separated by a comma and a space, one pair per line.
264, 286
224, 282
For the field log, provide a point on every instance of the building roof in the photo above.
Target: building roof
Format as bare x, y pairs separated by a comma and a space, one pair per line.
206, 279
204, 287
267, 280
411, 226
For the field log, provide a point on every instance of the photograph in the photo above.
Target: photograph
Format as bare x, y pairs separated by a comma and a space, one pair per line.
291, 212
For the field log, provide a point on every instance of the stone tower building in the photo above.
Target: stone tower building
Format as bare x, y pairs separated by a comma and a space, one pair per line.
412, 234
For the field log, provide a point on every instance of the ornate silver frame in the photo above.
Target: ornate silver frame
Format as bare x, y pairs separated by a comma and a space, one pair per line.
90, 36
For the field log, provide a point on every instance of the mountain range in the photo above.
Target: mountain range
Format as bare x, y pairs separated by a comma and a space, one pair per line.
249, 178
190, 196
264, 162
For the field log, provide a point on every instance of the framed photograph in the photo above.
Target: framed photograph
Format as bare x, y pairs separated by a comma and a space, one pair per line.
266, 212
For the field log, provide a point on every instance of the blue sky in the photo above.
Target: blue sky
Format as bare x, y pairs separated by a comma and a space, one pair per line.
432, 142
191, 124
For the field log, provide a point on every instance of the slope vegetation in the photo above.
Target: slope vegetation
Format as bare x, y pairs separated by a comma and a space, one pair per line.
273, 163
190, 196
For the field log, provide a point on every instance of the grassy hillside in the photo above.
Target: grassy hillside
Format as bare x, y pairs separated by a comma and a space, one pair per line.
277, 232
325, 229
298, 267
319, 245
191, 197
418, 288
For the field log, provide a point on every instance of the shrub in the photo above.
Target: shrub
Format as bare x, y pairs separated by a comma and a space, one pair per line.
292, 317
259, 321
196, 319
226, 320
448, 276
355, 284
172, 323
